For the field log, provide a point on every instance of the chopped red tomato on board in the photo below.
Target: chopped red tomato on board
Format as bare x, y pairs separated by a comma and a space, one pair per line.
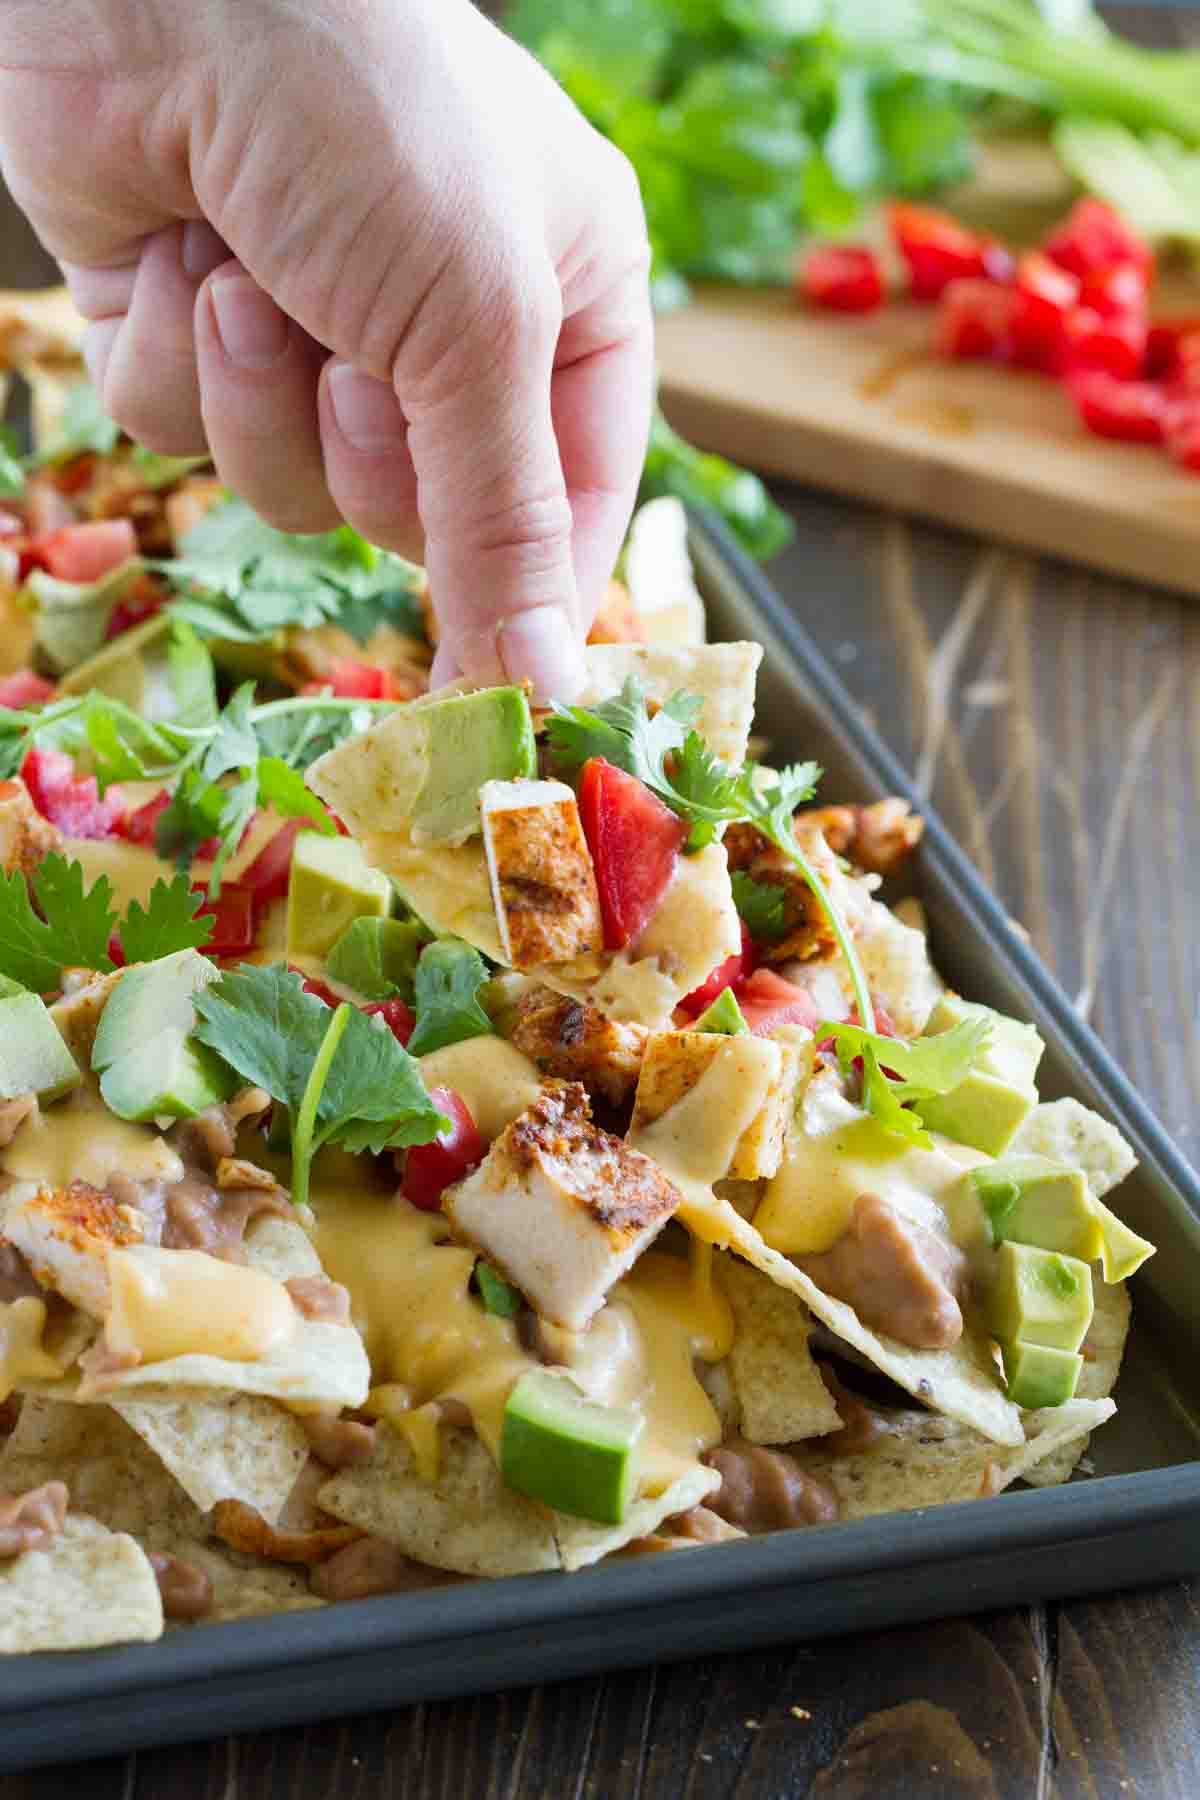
1044, 295
1117, 293
974, 321
23, 689
1117, 345
1093, 237
355, 681
768, 1001
429, 1169
733, 970
1173, 352
1133, 411
399, 1018
634, 840
70, 801
843, 277
232, 911
1182, 433
938, 250
87, 552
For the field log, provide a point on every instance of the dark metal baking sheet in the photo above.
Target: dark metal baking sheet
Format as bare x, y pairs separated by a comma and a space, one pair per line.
1137, 1520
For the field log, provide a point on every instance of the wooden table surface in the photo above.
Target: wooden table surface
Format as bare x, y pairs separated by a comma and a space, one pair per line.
1054, 718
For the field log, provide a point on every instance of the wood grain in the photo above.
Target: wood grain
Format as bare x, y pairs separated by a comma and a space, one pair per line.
1057, 715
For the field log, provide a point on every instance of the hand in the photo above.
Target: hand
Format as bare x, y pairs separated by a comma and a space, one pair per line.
369, 253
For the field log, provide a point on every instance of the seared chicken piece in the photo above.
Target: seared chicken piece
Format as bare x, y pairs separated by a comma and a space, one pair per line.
676, 1060
577, 1042
560, 1207
617, 621
25, 837
543, 883
65, 1235
877, 838
77, 1014
808, 937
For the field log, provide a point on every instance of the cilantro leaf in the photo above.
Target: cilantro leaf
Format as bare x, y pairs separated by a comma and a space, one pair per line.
170, 921
900, 1070
622, 731
341, 1077
73, 931
83, 425
192, 677
447, 983
761, 905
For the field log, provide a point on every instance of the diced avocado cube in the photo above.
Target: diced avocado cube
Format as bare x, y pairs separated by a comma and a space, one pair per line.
1038, 1375
724, 1015
989, 1107
331, 884
151, 998
168, 1077
568, 1452
498, 1296
1035, 1201
1012, 1052
33, 1057
378, 957
1121, 1249
127, 669
1039, 1297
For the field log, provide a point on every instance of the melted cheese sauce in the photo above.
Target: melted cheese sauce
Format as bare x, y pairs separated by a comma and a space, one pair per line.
839, 1152
80, 1140
495, 1080
694, 1142
169, 1303
22, 1355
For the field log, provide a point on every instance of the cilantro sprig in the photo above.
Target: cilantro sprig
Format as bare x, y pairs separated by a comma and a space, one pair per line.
762, 906
899, 1073
448, 978
342, 1077
52, 923
665, 751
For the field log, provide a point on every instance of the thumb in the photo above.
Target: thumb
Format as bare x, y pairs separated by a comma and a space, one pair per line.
493, 503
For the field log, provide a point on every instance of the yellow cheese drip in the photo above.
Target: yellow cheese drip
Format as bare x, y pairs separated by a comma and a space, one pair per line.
80, 1140
169, 1303
22, 1357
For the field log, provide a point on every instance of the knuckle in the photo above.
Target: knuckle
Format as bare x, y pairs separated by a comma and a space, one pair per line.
534, 531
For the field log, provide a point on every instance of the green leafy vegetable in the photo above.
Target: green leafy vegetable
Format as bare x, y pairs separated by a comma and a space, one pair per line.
700, 479
676, 764
449, 977
239, 578
899, 1070
170, 921
761, 905
72, 932
498, 1296
341, 1077
84, 425
164, 471
1154, 181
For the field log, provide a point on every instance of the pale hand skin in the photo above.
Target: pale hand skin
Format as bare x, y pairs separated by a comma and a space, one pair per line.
369, 254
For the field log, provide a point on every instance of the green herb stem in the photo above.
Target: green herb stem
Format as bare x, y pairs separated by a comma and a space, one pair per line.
786, 842
303, 1144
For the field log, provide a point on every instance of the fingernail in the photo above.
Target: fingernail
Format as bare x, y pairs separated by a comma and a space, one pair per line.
201, 250
541, 646
367, 412
253, 331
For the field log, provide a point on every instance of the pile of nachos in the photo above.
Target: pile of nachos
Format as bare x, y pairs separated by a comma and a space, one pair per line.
442, 1137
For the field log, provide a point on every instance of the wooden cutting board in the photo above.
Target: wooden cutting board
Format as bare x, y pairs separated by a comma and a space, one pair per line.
858, 404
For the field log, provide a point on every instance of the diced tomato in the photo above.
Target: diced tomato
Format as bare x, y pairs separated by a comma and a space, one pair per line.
355, 681
398, 1018
267, 876
974, 320
319, 988
1134, 411
232, 911
1116, 293
429, 1169
1044, 295
1092, 342
145, 598
938, 250
25, 689
72, 477
768, 1001
85, 553
46, 509
1095, 237
70, 801
733, 970
634, 840
115, 953
1173, 351
1183, 431
844, 277
139, 825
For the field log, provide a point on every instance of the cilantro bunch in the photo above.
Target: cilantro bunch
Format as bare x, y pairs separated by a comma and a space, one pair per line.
667, 753
899, 1074
341, 1075
53, 923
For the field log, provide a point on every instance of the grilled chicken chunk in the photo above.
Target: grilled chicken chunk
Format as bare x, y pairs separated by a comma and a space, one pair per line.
65, 1235
576, 1042
676, 1060
25, 837
560, 1207
543, 883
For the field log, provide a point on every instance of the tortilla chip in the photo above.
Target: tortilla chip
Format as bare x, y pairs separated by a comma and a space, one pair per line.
1068, 1132
221, 1445
780, 1395
962, 1382
898, 970
926, 1461
91, 1587
1102, 1351
722, 676
466, 1520
581, 1543
245, 1588
40, 326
